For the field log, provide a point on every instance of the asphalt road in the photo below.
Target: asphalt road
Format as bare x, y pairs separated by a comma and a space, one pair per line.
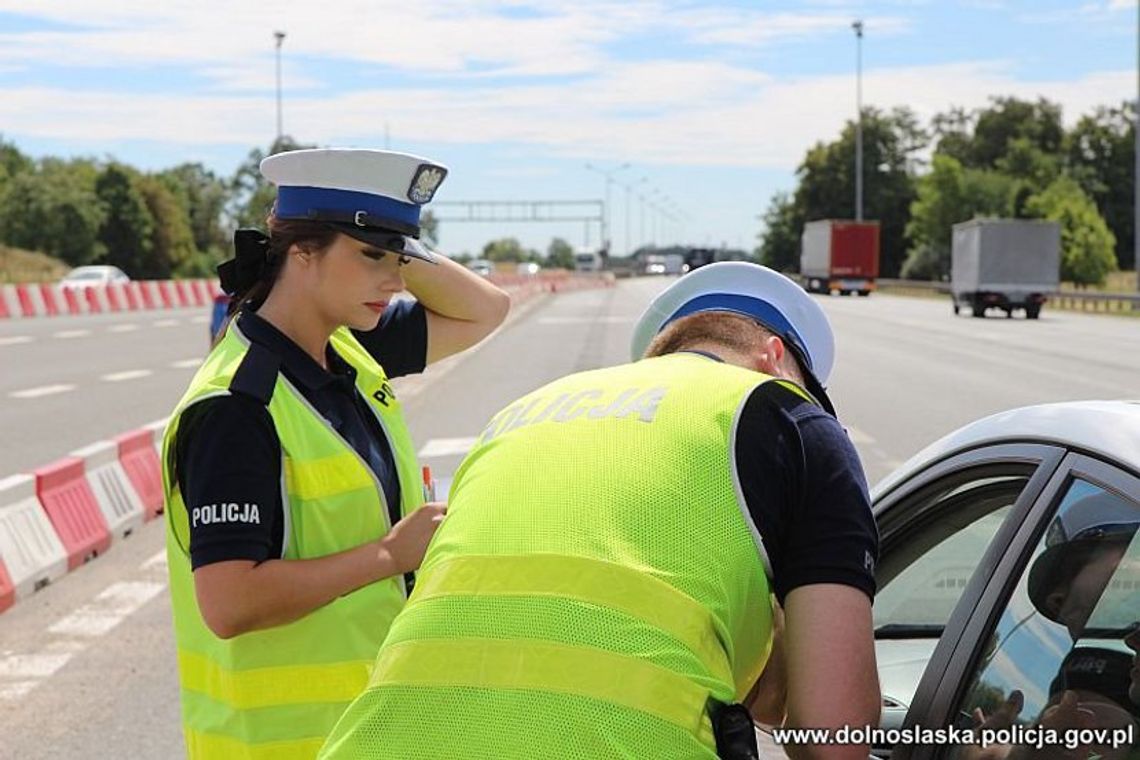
87, 665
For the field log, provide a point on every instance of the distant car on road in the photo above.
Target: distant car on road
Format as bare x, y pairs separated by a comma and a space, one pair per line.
481, 267
1010, 561
92, 276
527, 268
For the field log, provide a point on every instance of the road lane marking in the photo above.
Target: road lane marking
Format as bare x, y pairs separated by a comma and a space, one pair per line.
166, 323
443, 447
186, 364
43, 390
17, 690
200, 320
15, 340
585, 320
108, 609
123, 328
158, 559
130, 374
857, 436
33, 665
71, 334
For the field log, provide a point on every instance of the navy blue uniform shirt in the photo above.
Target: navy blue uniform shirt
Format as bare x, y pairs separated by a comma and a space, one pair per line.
805, 489
227, 451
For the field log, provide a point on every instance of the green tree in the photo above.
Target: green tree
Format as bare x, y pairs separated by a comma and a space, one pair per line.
954, 134
12, 161
251, 195
127, 232
780, 242
1101, 151
826, 178
205, 196
504, 249
171, 241
1007, 119
1087, 244
53, 208
949, 194
559, 255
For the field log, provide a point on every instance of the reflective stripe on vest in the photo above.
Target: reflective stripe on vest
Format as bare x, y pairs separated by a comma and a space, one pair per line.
276, 693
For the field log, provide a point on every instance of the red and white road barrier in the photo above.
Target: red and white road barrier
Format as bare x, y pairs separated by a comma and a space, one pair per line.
140, 463
59, 516
50, 300
120, 503
70, 504
30, 549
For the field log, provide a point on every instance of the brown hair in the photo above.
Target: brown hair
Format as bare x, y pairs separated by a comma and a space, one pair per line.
723, 328
283, 235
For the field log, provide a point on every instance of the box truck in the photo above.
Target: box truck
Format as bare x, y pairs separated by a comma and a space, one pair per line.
839, 255
1004, 264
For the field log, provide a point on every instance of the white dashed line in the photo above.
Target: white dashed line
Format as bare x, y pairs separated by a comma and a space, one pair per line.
157, 560
166, 323
584, 320
71, 334
15, 340
32, 665
131, 374
199, 320
108, 609
442, 447
857, 436
186, 364
123, 328
43, 390
17, 690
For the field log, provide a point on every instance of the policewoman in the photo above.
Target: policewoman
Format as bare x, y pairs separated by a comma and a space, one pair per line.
294, 499
602, 586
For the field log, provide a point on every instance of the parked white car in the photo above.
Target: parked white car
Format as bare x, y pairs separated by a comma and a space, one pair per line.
92, 276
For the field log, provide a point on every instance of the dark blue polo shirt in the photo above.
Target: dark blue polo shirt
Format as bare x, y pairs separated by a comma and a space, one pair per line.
803, 483
228, 452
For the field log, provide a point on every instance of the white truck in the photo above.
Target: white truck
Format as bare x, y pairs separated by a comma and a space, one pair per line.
1004, 264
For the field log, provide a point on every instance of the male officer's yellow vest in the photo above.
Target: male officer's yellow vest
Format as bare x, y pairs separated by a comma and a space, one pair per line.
596, 581
275, 694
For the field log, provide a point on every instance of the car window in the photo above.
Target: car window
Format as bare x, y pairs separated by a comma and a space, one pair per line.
1065, 654
921, 581
925, 568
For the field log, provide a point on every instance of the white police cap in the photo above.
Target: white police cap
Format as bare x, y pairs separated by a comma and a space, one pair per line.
372, 195
756, 292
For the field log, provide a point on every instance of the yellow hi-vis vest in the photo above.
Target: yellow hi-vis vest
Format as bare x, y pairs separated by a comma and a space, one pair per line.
275, 694
598, 578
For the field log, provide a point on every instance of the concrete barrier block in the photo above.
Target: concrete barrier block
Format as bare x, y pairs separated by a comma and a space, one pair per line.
140, 462
32, 553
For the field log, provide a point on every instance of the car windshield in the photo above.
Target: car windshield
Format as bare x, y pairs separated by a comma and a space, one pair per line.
85, 274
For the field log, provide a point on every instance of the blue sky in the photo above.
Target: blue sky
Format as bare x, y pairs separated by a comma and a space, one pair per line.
712, 104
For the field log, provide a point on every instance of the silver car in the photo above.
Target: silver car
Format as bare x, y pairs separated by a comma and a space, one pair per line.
1009, 579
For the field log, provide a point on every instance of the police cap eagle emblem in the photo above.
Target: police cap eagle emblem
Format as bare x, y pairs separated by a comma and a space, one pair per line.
425, 182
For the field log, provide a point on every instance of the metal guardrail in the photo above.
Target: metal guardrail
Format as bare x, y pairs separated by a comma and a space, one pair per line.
1072, 300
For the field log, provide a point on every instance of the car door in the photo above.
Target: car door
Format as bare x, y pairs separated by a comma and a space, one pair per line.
944, 531
1045, 644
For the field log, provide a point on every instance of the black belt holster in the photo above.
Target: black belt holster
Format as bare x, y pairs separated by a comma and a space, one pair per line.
735, 734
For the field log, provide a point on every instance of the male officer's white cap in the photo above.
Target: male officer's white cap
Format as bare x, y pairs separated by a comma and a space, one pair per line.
756, 292
372, 195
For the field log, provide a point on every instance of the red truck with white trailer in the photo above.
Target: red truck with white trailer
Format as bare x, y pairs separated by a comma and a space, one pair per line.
839, 255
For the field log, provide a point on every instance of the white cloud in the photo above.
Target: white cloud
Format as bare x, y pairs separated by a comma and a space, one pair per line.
668, 112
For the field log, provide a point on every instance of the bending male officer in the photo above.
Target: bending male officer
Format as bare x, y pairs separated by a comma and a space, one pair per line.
602, 585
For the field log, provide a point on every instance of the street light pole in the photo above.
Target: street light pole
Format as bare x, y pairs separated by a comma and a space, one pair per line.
279, 37
606, 216
858, 27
